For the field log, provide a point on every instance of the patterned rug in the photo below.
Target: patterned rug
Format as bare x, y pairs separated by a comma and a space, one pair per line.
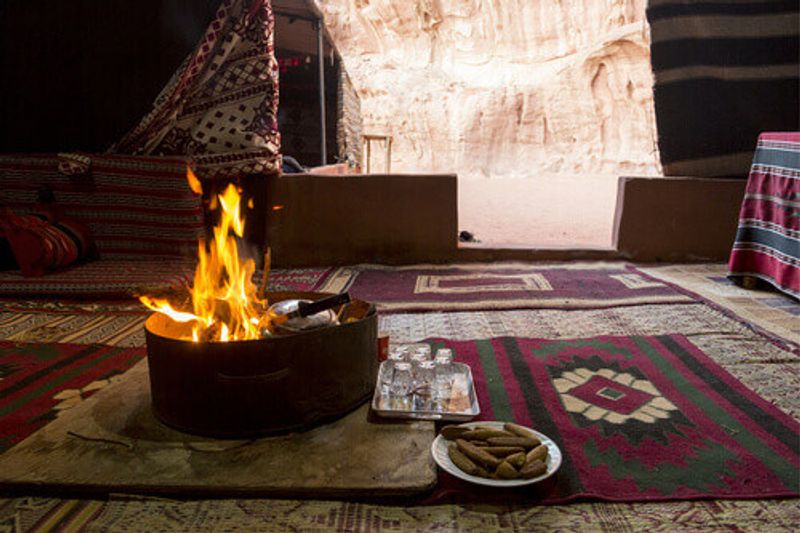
124, 513
123, 279
501, 286
106, 321
112, 278
37, 381
767, 309
767, 368
637, 418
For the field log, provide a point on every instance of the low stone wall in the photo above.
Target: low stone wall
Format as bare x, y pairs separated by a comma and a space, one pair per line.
314, 220
677, 219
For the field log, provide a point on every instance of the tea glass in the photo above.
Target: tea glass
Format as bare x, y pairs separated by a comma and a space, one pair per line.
402, 383
387, 369
424, 375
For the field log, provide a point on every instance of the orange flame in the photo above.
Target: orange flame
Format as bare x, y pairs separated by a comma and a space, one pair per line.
194, 183
226, 305
163, 306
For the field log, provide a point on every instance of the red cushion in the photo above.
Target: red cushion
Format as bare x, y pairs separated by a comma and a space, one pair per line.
41, 243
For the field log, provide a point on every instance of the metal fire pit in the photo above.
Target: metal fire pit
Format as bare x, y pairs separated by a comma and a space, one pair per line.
281, 383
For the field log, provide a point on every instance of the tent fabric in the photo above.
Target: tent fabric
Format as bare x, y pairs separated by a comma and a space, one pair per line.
220, 107
724, 72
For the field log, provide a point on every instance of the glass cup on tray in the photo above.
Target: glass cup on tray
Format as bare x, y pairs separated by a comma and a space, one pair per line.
401, 386
443, 378
387, 368
424, 374
421, 352
400, 351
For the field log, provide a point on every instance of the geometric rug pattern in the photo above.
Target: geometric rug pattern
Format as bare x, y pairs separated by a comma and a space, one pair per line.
39, 381
501, 286
636, 418
117, 322
762, 306
727, 332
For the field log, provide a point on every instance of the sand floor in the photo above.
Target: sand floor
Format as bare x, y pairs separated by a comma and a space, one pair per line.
544, 211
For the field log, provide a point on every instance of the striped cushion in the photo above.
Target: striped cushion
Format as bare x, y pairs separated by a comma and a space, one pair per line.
725, 70
136, 207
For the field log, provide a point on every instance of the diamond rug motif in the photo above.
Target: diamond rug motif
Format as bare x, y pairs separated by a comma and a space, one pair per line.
636, 417
602, 394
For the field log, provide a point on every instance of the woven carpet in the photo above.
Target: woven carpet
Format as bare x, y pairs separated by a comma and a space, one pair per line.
764, 307
37, 381
122, 278
106, 321
501, 286
122, 513
768, 368
637, 418
111, 278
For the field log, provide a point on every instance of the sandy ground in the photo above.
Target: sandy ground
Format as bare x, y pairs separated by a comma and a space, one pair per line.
544, 211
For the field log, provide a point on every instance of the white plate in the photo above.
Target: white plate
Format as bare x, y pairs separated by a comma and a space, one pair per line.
439, 451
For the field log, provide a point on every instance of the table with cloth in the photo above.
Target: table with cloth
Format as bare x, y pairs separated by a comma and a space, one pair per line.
767, 245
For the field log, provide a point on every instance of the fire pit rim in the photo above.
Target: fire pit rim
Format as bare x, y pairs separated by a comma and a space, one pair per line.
371, 310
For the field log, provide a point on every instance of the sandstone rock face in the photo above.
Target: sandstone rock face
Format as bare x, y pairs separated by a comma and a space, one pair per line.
502, 88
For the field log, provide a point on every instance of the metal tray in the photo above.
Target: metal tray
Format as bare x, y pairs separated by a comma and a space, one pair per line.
462, 405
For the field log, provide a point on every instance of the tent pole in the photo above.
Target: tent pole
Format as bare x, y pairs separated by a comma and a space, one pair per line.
321, 59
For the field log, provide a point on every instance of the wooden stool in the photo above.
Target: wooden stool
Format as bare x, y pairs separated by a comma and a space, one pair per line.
367, 140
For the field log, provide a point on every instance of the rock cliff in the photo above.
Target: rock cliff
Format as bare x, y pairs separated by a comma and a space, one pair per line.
502, 88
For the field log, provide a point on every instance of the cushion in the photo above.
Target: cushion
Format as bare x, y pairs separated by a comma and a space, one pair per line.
135, 207
41, 242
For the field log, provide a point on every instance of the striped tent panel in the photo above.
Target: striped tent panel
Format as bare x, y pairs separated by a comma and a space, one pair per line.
767, 244
725, 70
136, 207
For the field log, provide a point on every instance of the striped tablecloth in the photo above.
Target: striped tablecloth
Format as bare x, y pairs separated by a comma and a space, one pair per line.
767, 244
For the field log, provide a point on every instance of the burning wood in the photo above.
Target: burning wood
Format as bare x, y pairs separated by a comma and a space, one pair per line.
226, 304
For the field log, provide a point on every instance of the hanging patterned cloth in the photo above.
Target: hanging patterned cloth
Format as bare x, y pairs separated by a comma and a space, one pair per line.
220, 107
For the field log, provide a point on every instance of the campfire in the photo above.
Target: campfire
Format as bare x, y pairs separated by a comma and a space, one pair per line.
226, 305
224, 363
